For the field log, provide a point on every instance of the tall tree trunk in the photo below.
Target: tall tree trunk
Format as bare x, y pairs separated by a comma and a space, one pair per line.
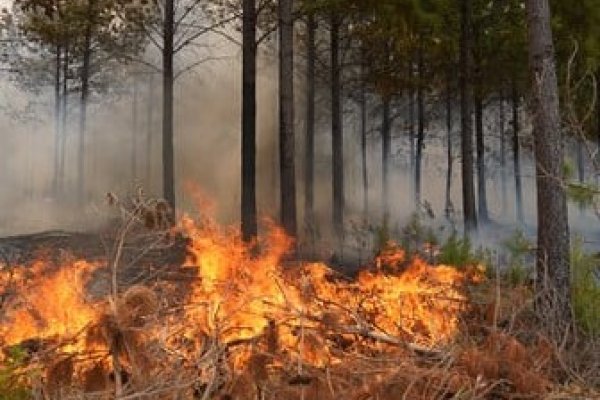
450, 158
482, 205
64, 120
57, 127
249, 222
516, 153
168, 162
580, 160
287, 151
386, 150
149, 131
468, 186
481, 174
553, 260
363, 145
309, 155
85, 76
337, 130
411, 128
503, 155
597, 76
134, 130
420, 121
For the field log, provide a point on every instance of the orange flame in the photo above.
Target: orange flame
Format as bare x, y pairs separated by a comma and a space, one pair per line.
50, 304
242, 293
241, 296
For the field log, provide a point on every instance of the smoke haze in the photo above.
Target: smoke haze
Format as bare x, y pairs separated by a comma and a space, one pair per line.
207, 153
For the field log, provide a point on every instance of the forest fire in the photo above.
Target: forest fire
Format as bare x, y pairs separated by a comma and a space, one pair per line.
242, 303
49, 302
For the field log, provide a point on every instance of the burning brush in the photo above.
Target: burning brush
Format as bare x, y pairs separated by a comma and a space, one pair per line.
239, 317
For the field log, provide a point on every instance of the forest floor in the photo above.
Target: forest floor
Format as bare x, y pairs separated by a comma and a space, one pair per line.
331, 343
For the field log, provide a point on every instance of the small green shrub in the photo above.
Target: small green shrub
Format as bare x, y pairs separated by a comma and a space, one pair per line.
585, 289
457, 251
518, 248
417, 237
413, 234
517, 274
382, 236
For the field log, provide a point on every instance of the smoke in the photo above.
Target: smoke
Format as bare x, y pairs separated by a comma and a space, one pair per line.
123, 146
207, 147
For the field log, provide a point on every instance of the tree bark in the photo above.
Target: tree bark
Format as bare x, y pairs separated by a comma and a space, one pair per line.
411, 129
516, 154
249, 222
482, 206
553, 261
386, 150
64, 119
580, 160
168, 163
134, 130
57, 127
503, 155
363, 145
337, 130
597, 76
468, 187
420, 121
450, 158
85, 76
286, 118
481, 173
149, 131
309, 155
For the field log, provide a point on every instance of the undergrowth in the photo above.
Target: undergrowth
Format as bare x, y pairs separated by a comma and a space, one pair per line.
457, 251
518, 248
585, 289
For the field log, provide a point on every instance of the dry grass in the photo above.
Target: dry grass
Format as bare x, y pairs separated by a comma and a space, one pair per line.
509, 361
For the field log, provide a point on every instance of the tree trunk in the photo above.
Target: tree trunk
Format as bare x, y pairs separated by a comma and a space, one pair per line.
411, 128
481, 174
503, 155
482, 205
421, 121
134, 130
337, 131
597, 76
85, 76
64, 120
309, 155
580, 160
249, 222
57, 127
149, 131
287, 174
167, 128
363, 145
516, 154
553, 261
448, 208
386, 150
468, 187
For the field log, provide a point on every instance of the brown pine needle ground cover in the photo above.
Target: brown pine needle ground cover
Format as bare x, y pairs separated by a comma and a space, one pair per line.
224, 322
